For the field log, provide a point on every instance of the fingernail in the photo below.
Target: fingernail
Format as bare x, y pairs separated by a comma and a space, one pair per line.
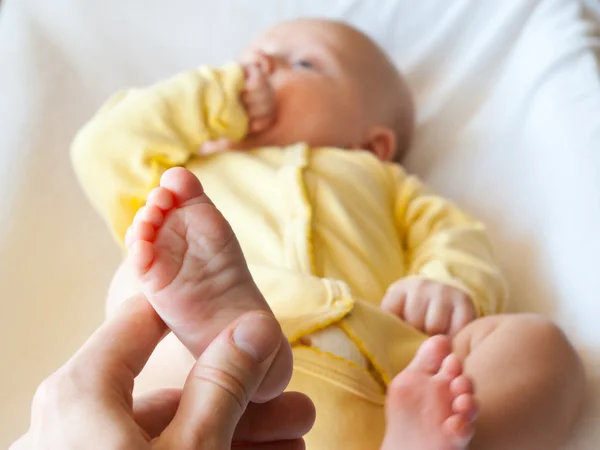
258, 336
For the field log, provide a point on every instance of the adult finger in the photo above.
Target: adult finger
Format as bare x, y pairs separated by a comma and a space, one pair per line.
220, 385
296, 444
289, 416
153, 411
116, 353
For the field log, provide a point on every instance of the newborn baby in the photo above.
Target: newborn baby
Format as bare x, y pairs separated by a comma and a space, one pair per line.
297, 151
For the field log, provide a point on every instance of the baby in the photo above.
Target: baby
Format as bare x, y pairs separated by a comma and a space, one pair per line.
296, 148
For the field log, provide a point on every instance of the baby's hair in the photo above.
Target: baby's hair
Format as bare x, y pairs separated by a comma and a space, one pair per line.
403, 120
392, 105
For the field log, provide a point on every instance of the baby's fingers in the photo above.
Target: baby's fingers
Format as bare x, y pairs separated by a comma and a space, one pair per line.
415, 309
258, 99
258, 125
258, 104
254, 77
463, 313
256, 80
394, 300
438, 316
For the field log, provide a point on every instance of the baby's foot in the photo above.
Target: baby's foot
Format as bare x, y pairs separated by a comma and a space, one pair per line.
193, 272
431, 404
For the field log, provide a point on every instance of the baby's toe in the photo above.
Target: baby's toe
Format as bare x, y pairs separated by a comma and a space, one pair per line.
465, 405
458, 430
141, 231
451, 366
160, 197
151, 214
182, 185
430, 355
141, 256
461, 385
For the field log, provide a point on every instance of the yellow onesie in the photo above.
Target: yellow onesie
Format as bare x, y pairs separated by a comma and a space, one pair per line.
325, 232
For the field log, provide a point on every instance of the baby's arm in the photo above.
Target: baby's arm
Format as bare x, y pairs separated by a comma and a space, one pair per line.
121, 153
452, 276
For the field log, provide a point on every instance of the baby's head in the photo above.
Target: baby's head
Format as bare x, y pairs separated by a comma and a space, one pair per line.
333, 86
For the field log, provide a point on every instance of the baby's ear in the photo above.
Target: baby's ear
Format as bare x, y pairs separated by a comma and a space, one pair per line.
381, 141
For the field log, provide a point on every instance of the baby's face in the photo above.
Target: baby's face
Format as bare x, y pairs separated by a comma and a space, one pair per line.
319, 75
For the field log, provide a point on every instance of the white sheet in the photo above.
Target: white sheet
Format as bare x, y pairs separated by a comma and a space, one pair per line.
509, 126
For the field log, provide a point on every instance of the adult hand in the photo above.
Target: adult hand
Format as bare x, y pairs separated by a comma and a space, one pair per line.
88, 402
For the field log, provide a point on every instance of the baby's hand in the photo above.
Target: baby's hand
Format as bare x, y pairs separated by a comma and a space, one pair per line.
259, 102
258, 98
429, 306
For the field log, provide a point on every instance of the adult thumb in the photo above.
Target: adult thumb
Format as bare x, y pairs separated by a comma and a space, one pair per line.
222, 382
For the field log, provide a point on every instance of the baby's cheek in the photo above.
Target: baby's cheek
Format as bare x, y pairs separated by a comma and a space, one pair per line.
309, 112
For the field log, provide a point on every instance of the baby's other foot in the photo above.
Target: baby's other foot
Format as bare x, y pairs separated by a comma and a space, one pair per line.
193, 271
431, 404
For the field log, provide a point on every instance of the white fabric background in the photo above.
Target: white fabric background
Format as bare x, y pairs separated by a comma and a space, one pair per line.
509, 126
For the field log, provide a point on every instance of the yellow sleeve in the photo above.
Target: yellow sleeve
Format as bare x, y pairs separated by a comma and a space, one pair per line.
120, 154
444, 244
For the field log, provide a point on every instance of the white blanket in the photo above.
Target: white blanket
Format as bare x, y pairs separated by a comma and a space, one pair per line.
509, 126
